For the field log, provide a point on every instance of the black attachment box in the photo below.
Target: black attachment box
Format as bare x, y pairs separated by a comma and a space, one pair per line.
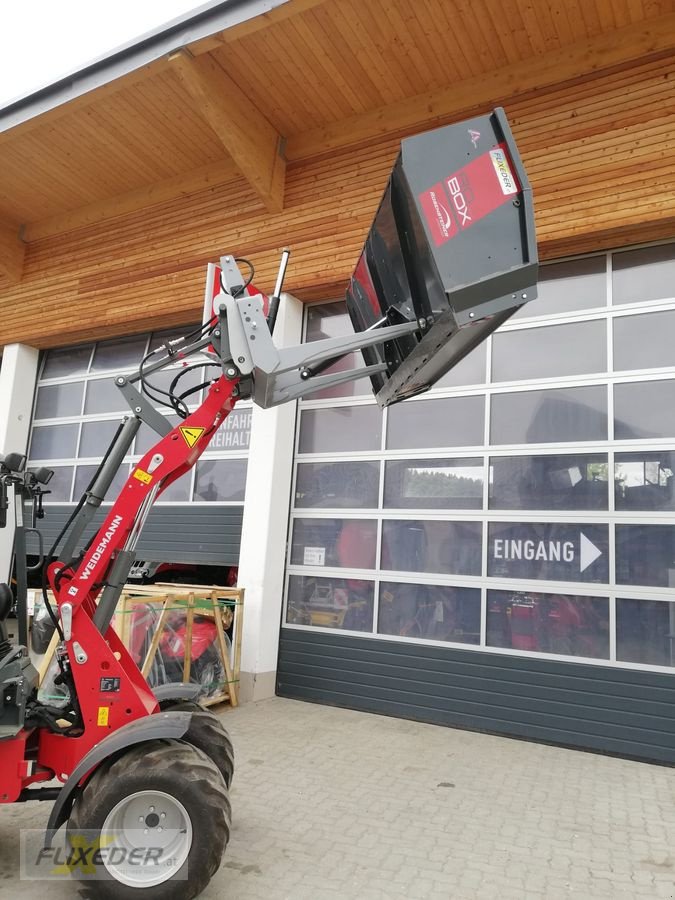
452, 246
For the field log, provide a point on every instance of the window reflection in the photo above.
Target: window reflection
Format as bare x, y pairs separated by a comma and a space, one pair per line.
330, 602
119, 354
56, 400
557, 350
451, 422
434, 483
433, 612
53, 442
352, 485
221, 479
470, 370
644, 274
644, 481
549, 623
644, 409
348, 543
66, 361
431, 546
549, 482
59, 485
548, 416
549, 551
645, 341
645, 631
341, 428
566, 286
645, 554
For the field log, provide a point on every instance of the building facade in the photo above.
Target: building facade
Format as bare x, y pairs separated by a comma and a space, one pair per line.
497, 554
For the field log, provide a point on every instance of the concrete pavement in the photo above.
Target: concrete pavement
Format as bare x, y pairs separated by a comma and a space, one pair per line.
333, 803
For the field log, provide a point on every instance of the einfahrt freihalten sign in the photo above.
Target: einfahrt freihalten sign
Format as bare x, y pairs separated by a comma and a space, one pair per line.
548, 551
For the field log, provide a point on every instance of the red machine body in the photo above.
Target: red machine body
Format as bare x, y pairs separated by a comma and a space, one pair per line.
110, 689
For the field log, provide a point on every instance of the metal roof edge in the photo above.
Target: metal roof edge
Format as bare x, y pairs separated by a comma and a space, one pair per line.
206, 20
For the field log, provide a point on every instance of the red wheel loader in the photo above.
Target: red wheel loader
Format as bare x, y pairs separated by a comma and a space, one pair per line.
451, 255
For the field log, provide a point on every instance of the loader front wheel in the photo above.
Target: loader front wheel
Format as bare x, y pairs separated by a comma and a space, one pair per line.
158, 819
209, 734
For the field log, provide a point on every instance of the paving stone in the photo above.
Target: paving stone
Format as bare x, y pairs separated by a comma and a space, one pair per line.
332, 803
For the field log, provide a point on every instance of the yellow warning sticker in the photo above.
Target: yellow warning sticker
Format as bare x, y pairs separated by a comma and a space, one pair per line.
191, 434
103, 713
145, 477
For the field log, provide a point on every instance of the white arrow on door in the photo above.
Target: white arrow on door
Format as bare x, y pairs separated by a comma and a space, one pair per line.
588, 552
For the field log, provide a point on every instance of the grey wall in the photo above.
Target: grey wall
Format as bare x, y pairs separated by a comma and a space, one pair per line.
620, 711
186, 534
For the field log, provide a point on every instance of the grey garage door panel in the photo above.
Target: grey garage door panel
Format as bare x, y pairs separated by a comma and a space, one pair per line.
594, 708
568, 703
194, 534
498, 674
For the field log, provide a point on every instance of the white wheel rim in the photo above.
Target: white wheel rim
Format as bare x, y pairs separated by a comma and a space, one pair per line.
154, 824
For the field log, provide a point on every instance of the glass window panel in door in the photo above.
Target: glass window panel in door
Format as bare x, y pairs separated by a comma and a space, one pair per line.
644, 481
444, 422
104, 396
577, 348
119, 354
431, 546
430, 612
645, 631
343, 543
178, 491
221, 480
563, 624
59, 400
645, 555
345, 604
558, 415
96, 438
66, 361
568, 286
549, 482
59, 485
644, 274
53, 442
549, 551
340, 429
644, 409
470, 370
346, 485
433, 484
644, 342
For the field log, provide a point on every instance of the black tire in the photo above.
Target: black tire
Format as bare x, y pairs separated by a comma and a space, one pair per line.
183, 772
208, 733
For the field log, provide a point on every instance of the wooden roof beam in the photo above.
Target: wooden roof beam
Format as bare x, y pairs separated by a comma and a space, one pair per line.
12, 252
616, 49
247, 136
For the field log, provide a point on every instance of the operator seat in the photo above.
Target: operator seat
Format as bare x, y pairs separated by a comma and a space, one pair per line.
18, 676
